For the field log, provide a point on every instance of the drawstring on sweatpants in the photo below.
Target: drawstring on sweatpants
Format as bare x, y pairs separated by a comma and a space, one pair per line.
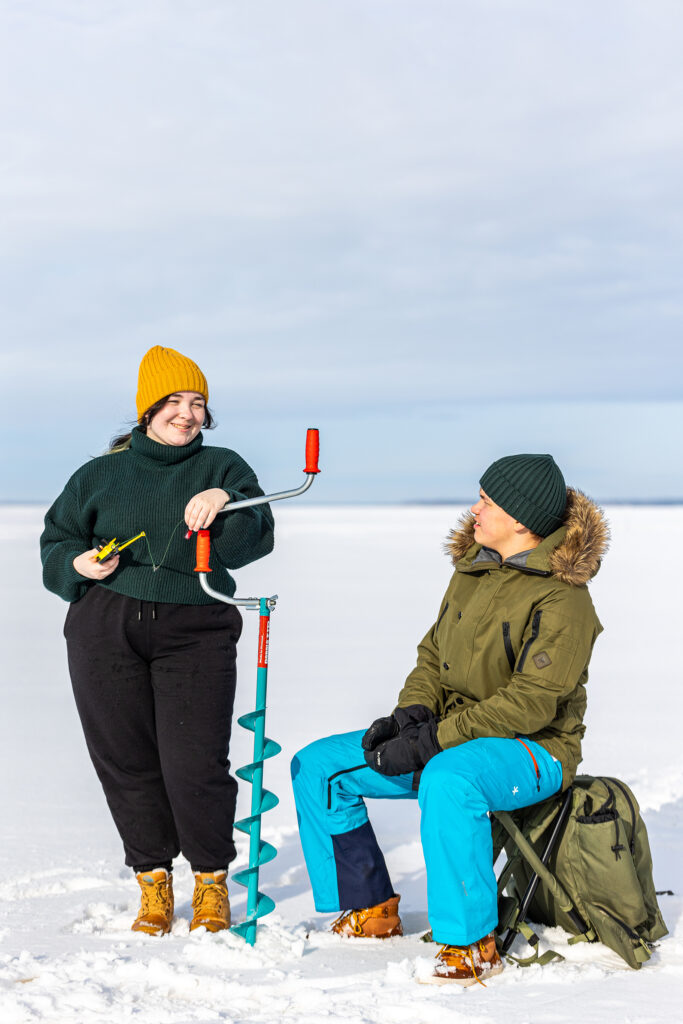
141, 606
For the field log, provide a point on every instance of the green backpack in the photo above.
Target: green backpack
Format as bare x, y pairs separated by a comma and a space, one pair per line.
582, 861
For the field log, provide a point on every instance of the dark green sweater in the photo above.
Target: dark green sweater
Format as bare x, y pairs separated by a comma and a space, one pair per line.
147, 488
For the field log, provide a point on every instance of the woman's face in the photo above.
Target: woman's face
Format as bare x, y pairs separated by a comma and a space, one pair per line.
178, 421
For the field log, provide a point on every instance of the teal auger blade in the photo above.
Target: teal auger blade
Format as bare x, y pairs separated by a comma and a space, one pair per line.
266, 853
249, 720
270, 749
247, 929
268, 801
247, 825
246, 772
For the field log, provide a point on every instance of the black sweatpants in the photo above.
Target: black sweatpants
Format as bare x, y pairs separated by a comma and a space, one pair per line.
155, 686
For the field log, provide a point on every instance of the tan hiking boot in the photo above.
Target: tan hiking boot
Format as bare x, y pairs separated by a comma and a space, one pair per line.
379, 922
466, 965
210, 901
156, 902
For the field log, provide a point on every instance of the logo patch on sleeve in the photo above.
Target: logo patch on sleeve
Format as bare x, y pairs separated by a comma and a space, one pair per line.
542, 659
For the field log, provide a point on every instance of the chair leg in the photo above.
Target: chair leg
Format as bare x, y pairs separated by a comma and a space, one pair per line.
539, 867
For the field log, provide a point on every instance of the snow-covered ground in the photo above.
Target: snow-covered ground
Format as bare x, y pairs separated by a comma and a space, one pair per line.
358, 587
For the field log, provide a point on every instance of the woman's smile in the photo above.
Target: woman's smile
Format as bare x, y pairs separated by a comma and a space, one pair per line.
178, 421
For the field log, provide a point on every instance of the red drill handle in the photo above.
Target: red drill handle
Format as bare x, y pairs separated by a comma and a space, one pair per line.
312, 450
203, 550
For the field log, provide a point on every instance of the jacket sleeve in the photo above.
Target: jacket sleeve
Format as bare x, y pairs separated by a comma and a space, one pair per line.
64, 537
556, 649
246, 535
423, 685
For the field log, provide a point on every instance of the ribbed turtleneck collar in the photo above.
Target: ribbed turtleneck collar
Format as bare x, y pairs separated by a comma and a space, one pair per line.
168, 454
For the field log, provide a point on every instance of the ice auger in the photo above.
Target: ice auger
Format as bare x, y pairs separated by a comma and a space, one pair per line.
260, 852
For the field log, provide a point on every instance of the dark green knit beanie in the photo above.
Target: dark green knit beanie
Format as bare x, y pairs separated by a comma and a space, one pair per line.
530, 488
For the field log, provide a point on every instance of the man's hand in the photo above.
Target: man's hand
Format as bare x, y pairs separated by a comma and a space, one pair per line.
407, 752
412, 715
382, 729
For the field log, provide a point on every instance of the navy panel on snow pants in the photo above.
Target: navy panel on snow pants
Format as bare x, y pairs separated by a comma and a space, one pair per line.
457, 790
154, 687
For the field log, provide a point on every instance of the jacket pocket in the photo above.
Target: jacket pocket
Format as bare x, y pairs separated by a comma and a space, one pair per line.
508, 645
535, 629
535, 762
438, 621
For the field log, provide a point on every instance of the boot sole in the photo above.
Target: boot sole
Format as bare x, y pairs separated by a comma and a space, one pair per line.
439, 979
211, 926
150, 929
398, 930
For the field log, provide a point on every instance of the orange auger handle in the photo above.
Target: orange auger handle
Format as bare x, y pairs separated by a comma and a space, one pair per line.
311, 470
203, 550
312, 450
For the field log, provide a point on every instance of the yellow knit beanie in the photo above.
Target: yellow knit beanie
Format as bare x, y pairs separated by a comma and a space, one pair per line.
163, 371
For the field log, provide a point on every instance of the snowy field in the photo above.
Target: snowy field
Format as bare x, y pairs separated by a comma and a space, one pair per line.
358, 587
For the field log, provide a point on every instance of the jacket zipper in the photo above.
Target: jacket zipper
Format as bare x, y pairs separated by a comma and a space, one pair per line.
535, 627
508, 645
344, 771
531, 755
438, 621
531, 572
631, 844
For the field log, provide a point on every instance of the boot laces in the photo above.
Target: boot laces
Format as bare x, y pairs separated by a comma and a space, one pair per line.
462, 958
154, 896
352, 918
455, 953
210, 898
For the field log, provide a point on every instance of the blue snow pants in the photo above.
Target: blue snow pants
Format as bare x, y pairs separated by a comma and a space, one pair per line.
456, 791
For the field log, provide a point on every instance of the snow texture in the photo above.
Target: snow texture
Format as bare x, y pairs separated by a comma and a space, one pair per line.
358, 587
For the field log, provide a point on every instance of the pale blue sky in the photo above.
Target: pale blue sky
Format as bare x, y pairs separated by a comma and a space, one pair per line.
441, 232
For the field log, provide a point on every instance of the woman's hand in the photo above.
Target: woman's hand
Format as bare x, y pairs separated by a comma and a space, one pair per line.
201, 510
88, 566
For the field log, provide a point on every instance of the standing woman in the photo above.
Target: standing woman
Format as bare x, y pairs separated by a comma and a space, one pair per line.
151, 656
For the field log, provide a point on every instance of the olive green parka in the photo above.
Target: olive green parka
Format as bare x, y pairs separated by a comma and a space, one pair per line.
508, 654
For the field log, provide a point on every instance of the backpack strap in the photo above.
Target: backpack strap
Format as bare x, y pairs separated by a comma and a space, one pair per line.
641, 950
532, 938
588, 936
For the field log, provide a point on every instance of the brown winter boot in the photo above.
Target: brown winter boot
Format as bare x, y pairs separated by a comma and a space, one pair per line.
466, 965
210, 902
156, 902
379, 922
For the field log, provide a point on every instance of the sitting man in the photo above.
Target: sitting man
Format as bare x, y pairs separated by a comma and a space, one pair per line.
491, 718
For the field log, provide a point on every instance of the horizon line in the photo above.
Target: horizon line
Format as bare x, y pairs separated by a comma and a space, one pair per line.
398, 501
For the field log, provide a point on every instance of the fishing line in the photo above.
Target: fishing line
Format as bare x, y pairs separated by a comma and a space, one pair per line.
156, 566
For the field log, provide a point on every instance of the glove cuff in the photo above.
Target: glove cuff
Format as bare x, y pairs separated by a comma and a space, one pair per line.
427, 742
414, 714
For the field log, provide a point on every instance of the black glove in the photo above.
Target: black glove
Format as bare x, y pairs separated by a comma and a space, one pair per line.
412, 715
407, 752
382, 729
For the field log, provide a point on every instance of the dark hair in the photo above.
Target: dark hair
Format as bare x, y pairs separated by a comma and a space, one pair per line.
122, 441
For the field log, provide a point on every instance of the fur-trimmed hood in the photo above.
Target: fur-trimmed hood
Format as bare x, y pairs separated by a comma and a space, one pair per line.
572, 554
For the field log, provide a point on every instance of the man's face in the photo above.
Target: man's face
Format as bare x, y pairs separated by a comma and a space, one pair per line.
493, 527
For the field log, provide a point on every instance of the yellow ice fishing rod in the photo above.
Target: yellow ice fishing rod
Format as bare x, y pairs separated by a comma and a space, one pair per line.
107, 549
